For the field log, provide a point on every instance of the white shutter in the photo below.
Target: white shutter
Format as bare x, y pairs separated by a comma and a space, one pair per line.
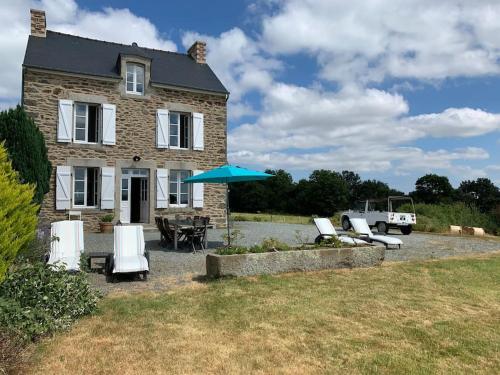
108, 124
161, 188
107, 188
198, 192
65, 123
63, 187
198, 131
162, 128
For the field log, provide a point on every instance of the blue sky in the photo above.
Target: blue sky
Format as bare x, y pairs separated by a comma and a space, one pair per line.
391, 90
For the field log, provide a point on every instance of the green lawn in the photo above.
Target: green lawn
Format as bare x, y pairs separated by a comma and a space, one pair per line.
277, 218
437, 317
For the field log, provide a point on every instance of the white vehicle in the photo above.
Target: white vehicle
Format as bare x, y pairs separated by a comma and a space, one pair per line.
383, 214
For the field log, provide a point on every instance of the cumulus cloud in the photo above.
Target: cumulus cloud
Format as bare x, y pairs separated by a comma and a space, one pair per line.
237, 61
400, 160
368, 41
67, 17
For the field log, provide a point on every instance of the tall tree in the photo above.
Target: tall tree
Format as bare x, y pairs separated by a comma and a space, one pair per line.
482, 193
25, 145
353, 182
325, 193
433, 189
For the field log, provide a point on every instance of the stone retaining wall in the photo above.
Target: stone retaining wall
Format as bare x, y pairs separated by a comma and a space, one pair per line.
296, 260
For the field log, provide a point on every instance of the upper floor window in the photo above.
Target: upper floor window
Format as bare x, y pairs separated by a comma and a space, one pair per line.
87, 122
179, 130
135, 79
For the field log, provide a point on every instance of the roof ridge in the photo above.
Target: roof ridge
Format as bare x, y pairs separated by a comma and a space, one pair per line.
116, 43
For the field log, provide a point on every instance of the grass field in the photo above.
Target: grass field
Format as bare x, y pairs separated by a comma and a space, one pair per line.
438, 317
278, 218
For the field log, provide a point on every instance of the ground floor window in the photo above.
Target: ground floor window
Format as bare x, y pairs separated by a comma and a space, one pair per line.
85, 186
178, 190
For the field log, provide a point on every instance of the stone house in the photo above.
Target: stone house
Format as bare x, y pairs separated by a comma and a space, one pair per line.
124, 125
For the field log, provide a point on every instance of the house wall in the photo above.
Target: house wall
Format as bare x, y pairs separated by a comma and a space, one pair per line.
135, 135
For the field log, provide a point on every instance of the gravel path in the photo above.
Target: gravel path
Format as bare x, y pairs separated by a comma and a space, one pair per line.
170, 268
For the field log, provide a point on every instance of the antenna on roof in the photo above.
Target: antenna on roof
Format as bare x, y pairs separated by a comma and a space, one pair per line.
134, 44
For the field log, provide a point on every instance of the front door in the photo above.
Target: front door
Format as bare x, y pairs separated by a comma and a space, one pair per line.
134, 207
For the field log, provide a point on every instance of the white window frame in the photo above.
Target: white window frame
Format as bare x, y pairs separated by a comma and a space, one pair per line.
99, 120
85, 182
135, 69
179, 182
189, 131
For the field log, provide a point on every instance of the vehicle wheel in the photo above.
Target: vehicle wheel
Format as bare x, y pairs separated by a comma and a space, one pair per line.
382, 227
346, 224
406, 230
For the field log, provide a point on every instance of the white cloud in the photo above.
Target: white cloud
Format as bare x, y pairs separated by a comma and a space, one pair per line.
456, 122
65, 16
398, 160
368, 41
237, 61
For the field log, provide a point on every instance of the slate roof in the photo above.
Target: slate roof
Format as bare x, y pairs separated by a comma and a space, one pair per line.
74, 54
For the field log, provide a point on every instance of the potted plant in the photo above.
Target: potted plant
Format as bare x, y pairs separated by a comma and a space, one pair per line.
106, 224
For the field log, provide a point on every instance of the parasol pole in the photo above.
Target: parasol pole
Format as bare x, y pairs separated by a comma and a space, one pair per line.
227, 215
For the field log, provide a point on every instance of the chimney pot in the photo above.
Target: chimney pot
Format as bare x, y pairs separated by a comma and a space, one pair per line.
198, 52
38, 23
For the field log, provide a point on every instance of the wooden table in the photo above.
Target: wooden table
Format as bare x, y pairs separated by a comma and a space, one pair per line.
184, 226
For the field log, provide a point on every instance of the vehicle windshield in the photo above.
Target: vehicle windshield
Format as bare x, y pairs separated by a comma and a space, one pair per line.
402, 204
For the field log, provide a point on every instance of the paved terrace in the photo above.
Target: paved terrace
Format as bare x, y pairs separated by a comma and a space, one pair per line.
170, 268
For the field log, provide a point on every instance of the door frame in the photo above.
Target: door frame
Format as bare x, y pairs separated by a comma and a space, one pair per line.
127, 174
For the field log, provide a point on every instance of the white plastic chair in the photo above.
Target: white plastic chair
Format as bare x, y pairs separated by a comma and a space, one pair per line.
327, 230
361, 226
67, 245
129, 250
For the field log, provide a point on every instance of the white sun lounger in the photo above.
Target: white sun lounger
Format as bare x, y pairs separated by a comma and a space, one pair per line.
66, 246
129, 250
327, 230
361, 226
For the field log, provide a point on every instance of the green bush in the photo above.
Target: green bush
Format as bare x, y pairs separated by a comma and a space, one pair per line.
107, 218
27, 150
267, 245
37, 299
438, 217
18, 218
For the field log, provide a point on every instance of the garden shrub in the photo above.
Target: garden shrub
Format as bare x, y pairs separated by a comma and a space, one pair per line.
37, 299
25, 144
18, 218
438, 217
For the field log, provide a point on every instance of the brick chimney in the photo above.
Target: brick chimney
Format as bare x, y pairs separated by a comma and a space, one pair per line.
38, 23
198, 52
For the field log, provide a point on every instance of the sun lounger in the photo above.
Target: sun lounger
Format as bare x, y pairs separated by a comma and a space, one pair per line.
327, 230
129, 250
361, 226
66, 246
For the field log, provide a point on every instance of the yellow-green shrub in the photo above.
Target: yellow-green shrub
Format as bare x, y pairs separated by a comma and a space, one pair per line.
18, 215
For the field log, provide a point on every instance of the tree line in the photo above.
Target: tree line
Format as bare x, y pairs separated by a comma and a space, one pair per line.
326, 192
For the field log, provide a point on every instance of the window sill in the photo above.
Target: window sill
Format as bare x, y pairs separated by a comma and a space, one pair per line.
95, 146
135, 96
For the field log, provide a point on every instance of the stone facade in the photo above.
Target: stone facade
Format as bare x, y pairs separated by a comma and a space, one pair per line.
135, 136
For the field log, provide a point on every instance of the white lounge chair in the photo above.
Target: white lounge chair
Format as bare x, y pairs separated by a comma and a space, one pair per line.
327, 230
66, 246
129, 250
361, 226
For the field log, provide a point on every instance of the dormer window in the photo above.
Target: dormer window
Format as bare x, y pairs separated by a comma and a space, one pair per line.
135, 79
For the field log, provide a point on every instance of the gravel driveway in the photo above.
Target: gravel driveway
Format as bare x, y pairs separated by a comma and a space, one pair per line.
171, 268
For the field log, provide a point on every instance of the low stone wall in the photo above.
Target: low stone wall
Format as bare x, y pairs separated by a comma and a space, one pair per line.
296, 260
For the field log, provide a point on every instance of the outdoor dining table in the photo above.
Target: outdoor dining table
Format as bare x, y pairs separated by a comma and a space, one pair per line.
184, 226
